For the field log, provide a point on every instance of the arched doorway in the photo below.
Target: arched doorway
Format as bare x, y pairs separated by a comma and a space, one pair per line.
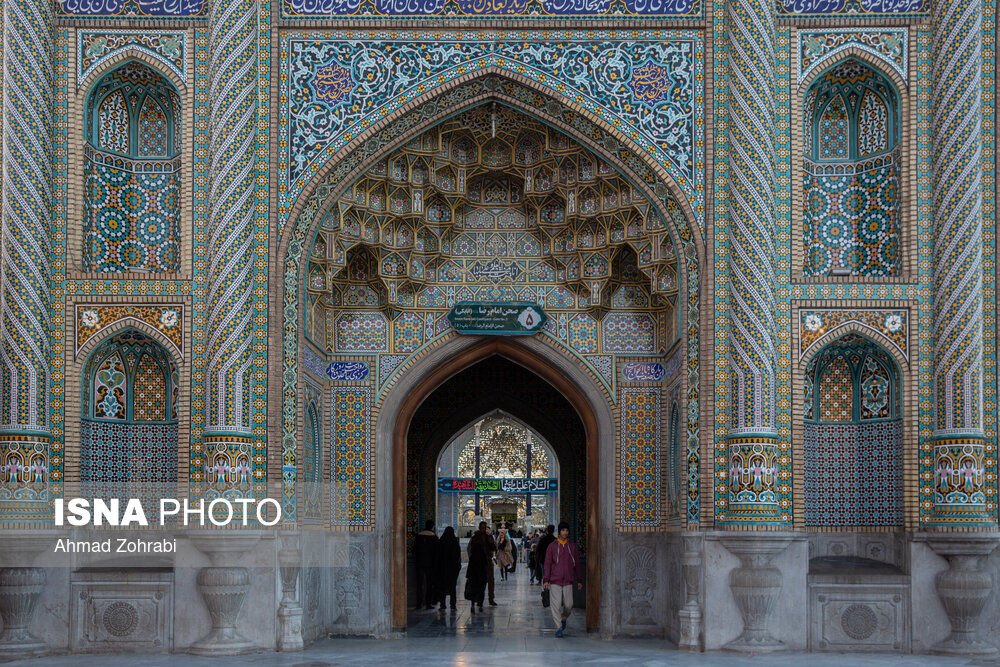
497, 356
377, 263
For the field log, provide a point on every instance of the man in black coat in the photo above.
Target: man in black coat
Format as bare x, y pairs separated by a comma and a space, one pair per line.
543, 544
424, 547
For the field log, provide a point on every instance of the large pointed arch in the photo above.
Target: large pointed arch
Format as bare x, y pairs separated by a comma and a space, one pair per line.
442, 362
384, 136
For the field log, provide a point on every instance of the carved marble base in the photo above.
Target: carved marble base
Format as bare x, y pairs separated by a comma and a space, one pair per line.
290, 629
20, 588
690, 623
964, 589
755, 586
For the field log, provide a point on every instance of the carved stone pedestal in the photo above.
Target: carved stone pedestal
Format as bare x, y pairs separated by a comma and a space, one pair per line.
290, 611
964, 589
224, 587
755, 586
690, 613
20, 587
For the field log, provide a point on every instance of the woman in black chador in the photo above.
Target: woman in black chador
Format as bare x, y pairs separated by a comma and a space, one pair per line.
480, 564
448, 561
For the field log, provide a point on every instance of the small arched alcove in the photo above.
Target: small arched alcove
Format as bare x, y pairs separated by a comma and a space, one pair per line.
132, 172
128, 429
853, 455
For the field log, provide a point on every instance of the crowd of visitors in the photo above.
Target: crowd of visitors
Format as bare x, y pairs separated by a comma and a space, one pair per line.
552, 560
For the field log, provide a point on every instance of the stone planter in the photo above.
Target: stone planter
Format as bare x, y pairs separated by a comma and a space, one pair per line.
756, 585
20, 588
964, 589
224, 588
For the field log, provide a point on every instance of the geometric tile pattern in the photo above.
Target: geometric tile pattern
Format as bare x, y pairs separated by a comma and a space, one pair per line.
408, 332
583, 334
853, 437
361, 332
958, 213
640, 460
60, 164
627, 333
888, 45
851, 173
122, 460
751, 132
852, 379
232, 207
851, 222
128, 434
387, 365
94, 48
854, 474
351, 457
836, 392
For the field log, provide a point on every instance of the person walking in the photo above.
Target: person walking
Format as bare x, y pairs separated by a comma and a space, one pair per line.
562, 570
543, 545
480, 566
424, 546
448, 561
504, 555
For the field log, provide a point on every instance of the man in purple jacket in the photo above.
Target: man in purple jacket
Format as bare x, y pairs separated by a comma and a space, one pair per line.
562, 570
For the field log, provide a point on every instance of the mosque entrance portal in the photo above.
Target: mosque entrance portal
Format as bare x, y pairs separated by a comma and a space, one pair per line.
494, 416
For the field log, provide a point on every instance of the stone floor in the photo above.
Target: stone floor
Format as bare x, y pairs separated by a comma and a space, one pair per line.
518, 632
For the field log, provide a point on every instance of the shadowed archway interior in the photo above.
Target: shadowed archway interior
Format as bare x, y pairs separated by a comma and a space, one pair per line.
492, 384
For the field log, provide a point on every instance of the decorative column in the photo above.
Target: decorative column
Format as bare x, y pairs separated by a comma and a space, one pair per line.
231, 244
25, 274
964, 589
224, 588
756, 585
753, 438
959, 444
289, 611
690, 613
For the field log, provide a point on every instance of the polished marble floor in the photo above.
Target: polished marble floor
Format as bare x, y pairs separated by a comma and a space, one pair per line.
518, 632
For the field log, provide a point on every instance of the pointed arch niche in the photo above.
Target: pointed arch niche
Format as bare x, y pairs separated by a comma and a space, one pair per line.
851, 122
132, 172
128, 427
853, 436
